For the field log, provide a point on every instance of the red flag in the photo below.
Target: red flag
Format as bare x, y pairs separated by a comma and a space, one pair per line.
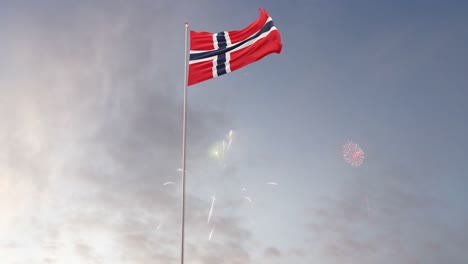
215, 54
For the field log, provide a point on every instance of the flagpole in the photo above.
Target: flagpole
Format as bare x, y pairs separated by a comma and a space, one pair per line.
183, 146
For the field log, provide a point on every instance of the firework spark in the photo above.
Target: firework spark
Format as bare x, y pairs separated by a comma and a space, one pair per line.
211, 234
186, 171
272, 183
248, 198
167, 183
353, 154
230, 139
213, 198
220, 149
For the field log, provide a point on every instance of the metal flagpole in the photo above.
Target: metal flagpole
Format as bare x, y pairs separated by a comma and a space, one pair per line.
183, 146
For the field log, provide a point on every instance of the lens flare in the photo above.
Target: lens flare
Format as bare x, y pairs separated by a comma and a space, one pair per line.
215, 151
220, 150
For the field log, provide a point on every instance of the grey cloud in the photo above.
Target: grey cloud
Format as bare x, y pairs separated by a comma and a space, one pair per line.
92, 128
232, 253
350, 248
85, 252
10, 245
298, 252
398, 225
230, 239
272, 252
48, 261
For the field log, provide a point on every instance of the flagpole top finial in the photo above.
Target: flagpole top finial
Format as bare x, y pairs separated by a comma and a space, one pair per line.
186, 24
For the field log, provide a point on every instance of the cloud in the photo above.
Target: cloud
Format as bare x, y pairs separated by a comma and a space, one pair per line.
297, 252
272, 252
400, 224
10, 245
91, 128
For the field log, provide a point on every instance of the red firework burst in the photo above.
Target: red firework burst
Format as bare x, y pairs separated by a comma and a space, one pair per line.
353, 154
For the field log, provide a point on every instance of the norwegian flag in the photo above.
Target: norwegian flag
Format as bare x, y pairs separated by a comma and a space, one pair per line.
215, 54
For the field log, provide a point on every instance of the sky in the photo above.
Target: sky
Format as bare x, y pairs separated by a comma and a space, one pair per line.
91, 99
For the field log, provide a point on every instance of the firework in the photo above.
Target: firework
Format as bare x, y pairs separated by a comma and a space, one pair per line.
353, 154
186, 171
220, 149
272, 183
213, 198
230, 138
248, 198
211, 233
167, 183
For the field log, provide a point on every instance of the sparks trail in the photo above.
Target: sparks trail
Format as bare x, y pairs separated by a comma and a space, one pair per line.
248, 198
213, 198
220, 149
230, 139
272, 183
167, 183
211, 234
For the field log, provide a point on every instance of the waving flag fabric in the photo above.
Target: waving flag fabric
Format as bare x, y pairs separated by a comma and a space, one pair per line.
215, 54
